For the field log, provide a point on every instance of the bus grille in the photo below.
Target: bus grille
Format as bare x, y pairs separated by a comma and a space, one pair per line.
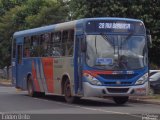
118, 90
121, 83
117, 76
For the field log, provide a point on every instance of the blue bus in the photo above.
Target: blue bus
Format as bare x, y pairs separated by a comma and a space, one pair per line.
91, 57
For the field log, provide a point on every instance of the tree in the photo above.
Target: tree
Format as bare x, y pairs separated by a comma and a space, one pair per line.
53, 12
6, 5
24, 15
145, 10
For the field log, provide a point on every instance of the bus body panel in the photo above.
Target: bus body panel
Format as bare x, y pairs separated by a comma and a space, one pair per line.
63, 67
117, 85
19, 61
47, 72
34, 67
24, 68
103, 91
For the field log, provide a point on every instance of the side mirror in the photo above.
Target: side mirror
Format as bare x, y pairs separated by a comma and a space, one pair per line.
83, 44
149, 38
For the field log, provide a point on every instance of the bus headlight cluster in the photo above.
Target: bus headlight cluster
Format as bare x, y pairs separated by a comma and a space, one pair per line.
142, 80
92, 80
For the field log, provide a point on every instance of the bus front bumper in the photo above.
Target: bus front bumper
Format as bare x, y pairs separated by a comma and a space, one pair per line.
101, 91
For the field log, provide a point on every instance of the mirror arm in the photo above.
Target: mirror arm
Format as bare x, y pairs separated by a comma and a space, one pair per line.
149, 38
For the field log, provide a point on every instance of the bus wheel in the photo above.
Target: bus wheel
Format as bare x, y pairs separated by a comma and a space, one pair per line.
30, 87
67, 92
120, 100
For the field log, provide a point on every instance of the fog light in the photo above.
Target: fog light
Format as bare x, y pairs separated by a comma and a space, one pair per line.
140, 91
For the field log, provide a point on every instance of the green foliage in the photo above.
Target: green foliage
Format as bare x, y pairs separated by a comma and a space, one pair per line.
146, 10
51, 13
24, 14
6, 5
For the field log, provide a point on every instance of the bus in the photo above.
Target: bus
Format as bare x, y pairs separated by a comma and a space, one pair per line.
90, 57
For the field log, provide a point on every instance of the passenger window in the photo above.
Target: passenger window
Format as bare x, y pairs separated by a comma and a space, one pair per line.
64, 42
68, 42
19, 49
49, 44
27, 47
34, 50
45, 40
56, 47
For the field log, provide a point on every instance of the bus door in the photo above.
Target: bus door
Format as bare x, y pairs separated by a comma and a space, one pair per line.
78, 65
19, 62
13, 62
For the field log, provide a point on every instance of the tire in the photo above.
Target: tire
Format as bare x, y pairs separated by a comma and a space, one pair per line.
30, 88
67, 93
120, 100
39, 94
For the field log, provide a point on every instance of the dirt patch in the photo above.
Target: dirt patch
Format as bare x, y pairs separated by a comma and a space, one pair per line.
5, 82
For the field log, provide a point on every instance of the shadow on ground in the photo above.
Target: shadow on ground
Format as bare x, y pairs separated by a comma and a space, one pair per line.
83, 102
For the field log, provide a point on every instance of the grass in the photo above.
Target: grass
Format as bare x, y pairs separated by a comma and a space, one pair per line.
156, 96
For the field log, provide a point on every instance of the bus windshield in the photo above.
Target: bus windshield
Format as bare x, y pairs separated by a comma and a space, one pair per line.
116, 52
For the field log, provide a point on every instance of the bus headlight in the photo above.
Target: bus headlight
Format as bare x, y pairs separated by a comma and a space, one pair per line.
142, 80
92, 80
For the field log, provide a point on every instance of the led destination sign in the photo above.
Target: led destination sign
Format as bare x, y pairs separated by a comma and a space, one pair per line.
103, 26
114, 26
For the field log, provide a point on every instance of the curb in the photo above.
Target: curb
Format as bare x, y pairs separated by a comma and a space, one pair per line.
6, 84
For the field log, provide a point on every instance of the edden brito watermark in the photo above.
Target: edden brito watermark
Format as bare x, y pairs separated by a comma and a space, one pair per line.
28, 117
15, 116
150, 117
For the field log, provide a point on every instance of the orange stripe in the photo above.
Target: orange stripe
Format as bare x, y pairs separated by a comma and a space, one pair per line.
103, 72
34, 74
95, 73
89, 72
48, 73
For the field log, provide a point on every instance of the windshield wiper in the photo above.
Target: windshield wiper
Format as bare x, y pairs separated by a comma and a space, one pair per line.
96, 43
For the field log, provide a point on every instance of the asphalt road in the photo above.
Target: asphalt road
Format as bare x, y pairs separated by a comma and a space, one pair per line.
18, 102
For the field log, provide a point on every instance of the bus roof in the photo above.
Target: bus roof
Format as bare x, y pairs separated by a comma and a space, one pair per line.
65, 25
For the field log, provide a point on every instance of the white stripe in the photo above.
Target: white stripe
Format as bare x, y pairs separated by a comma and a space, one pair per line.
38, 77
43, 77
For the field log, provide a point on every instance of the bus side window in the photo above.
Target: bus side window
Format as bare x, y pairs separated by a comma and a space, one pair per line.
70, 43
26, 48
34, 51
64, 41
56, 47
44, 45
67, 42
19, 47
